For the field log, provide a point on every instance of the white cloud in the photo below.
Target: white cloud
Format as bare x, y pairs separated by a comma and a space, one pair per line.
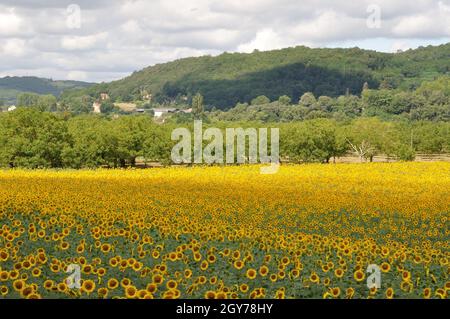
13, 47
82, 42
266, 39
400, 46
77, 75
10, 23
421, 26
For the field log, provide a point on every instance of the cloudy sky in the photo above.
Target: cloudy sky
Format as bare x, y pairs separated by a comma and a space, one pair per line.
102, 40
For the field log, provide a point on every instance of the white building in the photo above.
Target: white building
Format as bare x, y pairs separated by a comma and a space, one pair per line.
97, 107
160, 112
12, 108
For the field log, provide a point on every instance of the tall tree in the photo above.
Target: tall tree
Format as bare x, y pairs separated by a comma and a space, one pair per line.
197, 105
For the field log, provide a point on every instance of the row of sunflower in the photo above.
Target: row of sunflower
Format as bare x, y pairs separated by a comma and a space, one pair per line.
309, 231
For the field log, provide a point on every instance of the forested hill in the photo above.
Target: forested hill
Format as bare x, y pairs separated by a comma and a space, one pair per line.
10, 87
236, 77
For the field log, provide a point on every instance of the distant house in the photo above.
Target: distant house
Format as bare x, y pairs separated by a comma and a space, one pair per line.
97, 107
139, 110
12, 108
160, 112
146, 96
104, 96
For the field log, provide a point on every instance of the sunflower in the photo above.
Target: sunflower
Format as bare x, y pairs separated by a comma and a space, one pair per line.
102, 292
221, 295
285, 261
4, 290
441, 293
295, 273
148, 296
197, 256
113, 262
19, 285
210, 295
314, 278
243, 288
171, 284
349, 293
113, 283
280, 294
251, 273
187, 273
105, 248
137, 266
152, 288
390, 293
406, 286
385, 267
335, 292
4, 255
13, 275
157, 279
263, 270
338, 272
36, 272
406, 275
236, 254
88, 286
4, 275
130, 292
273, 277
26, 264
238, 264
25, 292
427, 293
172, 256
101, 271
204, 265
359, 276
87, 269
62, 287
141, 294
48, 284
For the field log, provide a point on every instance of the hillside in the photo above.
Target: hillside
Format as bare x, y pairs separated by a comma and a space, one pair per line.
11, 86
236, 77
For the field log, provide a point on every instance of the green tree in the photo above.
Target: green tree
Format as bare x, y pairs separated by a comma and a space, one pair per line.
27, 99
197, 105
108, 107
260, 100
284, 100
32, 139
308, 100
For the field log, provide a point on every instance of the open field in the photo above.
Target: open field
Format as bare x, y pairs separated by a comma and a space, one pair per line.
309, 231
384, 159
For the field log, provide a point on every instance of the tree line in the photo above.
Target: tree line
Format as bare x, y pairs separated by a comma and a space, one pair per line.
34, 139
430, 101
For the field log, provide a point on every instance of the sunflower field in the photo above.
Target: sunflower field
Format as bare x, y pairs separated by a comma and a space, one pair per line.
309, 231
